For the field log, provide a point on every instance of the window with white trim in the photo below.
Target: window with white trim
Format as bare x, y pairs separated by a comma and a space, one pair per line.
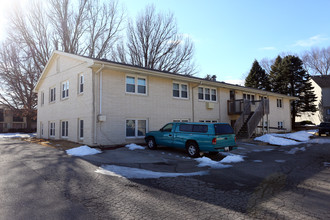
65, 89
81, 129
208, 121
52, 129
180, 90
136, 128
52, 94
64, 129
280, 124
136, 85
81, 83
42, 94
207, 94
180, 120
279, 103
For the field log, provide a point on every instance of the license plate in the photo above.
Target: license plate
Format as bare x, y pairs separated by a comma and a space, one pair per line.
226, 148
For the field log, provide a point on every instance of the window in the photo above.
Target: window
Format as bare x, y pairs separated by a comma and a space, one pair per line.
42, 98
81, 83
279, 103
207, 94
249, 97
52, 94
180, 120
221, 129
136, 85
280, 124
328, 111
180, 90
81, 129
64, 128
167, 128
208, 121
52, 129
65, 89
2, 115
136, 128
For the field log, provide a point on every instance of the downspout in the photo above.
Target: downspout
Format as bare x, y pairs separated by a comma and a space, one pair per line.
94, 100
193, 101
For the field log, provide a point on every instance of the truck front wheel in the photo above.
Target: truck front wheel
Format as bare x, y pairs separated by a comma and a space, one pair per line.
151, 143
192, 149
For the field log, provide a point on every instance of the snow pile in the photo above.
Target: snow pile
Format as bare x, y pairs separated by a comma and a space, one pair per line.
232, 159
319, 141
298, 136
135, 173
17, 135
205, 161
134, 147
272, 139
83, 151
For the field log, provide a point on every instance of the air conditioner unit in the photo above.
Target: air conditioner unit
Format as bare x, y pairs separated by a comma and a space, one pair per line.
210, 105
101, 118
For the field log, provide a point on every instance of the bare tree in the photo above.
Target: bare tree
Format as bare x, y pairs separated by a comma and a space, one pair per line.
266, 64
90, 29
317, 61
153, 42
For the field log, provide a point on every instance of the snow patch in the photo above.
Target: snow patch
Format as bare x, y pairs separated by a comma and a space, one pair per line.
271, 139
319, 141
134, 147
17, 135
257, 161
298, 136
83, 151
232, 159
294, 150
280, 161
135, 173
205, 161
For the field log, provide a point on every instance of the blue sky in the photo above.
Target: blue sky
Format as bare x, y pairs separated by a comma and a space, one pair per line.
229, 35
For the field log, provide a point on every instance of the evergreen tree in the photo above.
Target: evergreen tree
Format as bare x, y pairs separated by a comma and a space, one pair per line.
276, 78
290, 78
257, 78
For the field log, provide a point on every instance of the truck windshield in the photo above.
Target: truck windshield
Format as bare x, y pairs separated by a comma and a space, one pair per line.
223, 129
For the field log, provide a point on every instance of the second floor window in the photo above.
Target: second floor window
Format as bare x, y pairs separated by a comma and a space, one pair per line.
52, 94
81, 83
65, 89
207, 94
180, 90
136, 85
279, 103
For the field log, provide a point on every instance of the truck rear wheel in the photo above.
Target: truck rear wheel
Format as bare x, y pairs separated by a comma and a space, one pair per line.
192, 149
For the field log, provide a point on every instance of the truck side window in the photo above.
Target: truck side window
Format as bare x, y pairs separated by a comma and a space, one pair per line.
186, 127
167, 128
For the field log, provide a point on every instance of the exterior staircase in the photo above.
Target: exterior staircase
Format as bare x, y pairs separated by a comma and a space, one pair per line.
248, 121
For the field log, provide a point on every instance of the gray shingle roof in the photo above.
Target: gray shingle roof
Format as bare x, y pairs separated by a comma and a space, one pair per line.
322, 81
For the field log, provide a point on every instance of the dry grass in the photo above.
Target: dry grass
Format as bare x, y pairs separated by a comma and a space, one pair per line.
58, 144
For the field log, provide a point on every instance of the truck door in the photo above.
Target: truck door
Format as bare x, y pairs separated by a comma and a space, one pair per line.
166, 136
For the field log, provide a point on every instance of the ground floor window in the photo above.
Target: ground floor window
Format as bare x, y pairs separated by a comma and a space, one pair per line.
280, 124
81, 129
52, 129
41, 128
136, 127
180, 120
65, 128
208, 121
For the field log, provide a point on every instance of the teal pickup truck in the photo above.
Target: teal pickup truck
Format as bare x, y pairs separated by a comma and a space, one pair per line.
194, 137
